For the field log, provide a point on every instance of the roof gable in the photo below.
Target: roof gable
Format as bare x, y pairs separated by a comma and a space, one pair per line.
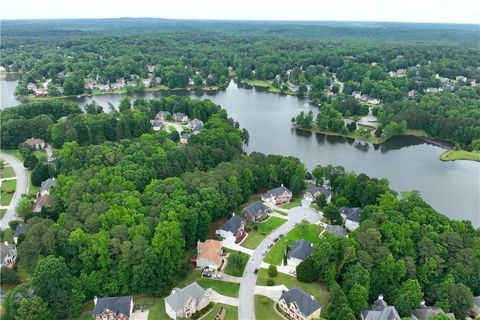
276, 192
255, 208
116, 304
232, 224
300, 249
304, 301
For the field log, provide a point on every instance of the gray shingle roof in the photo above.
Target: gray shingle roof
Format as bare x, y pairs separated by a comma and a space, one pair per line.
476, 300
179, 298
47, 184
232, 224
196, 125
254, 208
21, 228
425, 313
302, 299
352, 214
381, 311
276, 192
316, 189
5, 249
116, 304
300, 249
339, 231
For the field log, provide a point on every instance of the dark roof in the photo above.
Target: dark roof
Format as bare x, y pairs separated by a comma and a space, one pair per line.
276, 192
316, 189
21, 228
352, 214
180, 114
254, 208
304, 301
476, 300
339, 231
47, 184
300, 249
381, 311
116, 304
232, 224
425, 313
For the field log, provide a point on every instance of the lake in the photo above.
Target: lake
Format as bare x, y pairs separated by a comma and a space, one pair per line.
409, 163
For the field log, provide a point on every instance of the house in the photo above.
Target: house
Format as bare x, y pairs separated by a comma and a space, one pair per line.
233, 230
184, 138
475, 311
147, 82
195, 125
132, 83
374, 101
180, 117
8, 254
256, 212
182, 303
113, 308
104, 87
90, 84
31, 86
209, 254
46, 185
425, 313
40, 202
20, 230
380, 311
299, 251
351, 216
278, 195
40, 92
411, 93
162, 115
401, 73
338, 231
150, 68
299, 305
157, 125
34, 143
461, 79
313, 192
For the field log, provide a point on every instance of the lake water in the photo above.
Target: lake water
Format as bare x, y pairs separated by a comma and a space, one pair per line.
409, 163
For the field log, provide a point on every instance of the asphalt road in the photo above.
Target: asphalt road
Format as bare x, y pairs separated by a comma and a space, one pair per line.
22, 187
246, 308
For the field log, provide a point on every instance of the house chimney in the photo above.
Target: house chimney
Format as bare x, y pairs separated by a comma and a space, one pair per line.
311, 296
380, 297
173, 291
6, 243
422, 303
282, 184
95, 300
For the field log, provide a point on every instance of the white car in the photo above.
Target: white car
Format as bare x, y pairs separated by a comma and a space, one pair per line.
264, 252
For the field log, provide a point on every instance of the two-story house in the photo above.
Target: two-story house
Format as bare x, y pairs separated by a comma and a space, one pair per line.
182, 303
8, 254
299, 251
278, 195
299, 305
351, 217
380, 310
312, 193
37, 144
256, 212
180, 117
233, 230
113, 308
425, 312
209, 254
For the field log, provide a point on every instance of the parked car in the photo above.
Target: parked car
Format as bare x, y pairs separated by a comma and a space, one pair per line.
264, 252
280, 235
255, 271
296, 224
275, 239
270, 245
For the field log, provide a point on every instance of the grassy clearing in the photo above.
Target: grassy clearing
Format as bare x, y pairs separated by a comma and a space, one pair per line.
292, 204
318, 290
237, 270
231, 312
263, 229
452, 155
264, 309
310, 234
7, 172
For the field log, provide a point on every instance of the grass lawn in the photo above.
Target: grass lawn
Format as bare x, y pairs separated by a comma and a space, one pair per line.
311, 234
226, 288
2, 212
415, 132
231, 312
31, 188
237, 270
281, 212
293, 204
41, 155
264, 309
155, 306
265, 228
7, 172
318, 290
263, 84
9, 186
451, 155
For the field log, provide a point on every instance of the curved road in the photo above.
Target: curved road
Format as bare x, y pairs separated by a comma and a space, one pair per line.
246, 308
22, 187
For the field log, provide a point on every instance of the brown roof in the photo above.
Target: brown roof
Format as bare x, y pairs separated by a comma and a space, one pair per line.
40, 202
210, 249
34, 141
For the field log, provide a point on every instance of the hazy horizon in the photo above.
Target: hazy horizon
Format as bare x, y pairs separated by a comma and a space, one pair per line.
407, 11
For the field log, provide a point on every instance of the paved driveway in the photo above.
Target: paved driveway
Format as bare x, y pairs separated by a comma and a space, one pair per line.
139, 315
22, 187
246, 309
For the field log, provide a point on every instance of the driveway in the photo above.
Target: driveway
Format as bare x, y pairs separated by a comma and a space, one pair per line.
236, 247
246, 309
140, 315
22, 187
273, 292
217, 297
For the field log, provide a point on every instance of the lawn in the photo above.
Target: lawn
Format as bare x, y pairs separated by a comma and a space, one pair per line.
41, 155
311, 234
451, 155
226, 288
265, 228
231, 312
293, 204
2, 212
7, 172
318, 290
237, 269
31, 188
8, 189
264, 309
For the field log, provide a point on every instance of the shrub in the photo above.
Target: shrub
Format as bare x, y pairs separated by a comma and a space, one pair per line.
272, 271
30, 161
8, 276
203, 311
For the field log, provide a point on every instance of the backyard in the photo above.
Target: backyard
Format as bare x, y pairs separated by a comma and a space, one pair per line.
317, 289
236, 263
264, 309
263, 229
309, 233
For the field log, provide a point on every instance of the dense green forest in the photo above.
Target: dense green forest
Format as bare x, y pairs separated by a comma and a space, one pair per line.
421, 73
129, 203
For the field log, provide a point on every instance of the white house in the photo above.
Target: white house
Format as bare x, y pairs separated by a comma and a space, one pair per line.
351, 217
299, 305
182, 303
299, 251
313, 192
8, 254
